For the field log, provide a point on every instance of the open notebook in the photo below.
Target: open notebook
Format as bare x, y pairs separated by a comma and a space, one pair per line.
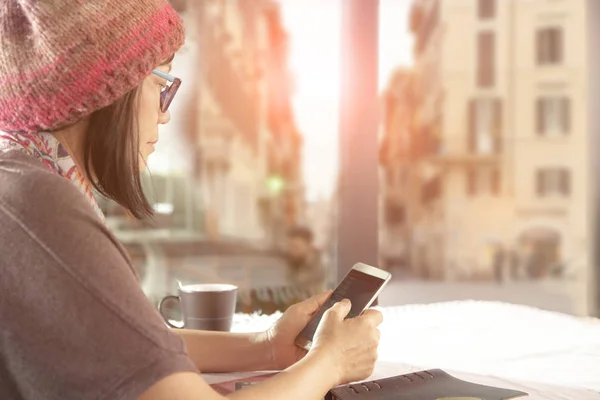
433, 384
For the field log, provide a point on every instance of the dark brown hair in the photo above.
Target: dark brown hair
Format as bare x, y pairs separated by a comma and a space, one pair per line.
111, 151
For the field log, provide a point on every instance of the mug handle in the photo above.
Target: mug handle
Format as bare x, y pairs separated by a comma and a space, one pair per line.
164, 300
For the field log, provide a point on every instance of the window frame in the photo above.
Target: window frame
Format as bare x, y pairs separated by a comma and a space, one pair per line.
549, 45
486, 59
553, 182
562, 114
486, 9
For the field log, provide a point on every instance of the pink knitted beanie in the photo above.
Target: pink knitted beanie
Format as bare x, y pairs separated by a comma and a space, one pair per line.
61, 60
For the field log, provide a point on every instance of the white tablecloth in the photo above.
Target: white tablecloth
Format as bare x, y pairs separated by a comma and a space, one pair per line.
503, 342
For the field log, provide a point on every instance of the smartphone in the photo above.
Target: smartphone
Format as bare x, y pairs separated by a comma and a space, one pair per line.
361, 286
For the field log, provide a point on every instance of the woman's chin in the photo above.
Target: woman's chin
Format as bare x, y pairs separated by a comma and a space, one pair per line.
143, 162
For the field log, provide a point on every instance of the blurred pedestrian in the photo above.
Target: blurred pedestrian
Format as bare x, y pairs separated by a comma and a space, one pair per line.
499, 259
305, 269
514, 263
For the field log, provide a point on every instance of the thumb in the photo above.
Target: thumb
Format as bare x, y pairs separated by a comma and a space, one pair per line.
339, 310
315, 302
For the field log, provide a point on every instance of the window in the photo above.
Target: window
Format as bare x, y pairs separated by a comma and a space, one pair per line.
549, 44
553, 116
553, 182
486, 9
486, 60
485, 126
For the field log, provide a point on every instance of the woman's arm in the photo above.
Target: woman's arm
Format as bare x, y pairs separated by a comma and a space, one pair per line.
309, 379
225, 352
344, 350
270, 350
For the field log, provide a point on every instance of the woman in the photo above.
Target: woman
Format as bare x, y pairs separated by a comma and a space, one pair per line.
83, 88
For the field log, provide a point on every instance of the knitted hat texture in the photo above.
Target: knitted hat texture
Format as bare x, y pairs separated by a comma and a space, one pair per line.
61, 60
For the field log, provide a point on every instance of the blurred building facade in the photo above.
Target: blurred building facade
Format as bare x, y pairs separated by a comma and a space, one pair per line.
248, 146
232, 184
397, 183
500, 139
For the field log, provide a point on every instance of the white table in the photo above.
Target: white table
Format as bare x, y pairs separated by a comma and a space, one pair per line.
549, 355
537, 391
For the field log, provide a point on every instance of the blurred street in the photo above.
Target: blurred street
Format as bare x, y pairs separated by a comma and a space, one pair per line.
548, 295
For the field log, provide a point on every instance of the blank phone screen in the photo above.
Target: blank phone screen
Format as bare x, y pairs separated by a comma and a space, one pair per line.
357, 287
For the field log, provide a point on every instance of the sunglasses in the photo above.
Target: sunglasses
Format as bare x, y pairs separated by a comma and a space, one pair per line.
168, 93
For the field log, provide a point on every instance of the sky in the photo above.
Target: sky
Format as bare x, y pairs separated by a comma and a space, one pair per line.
314, 27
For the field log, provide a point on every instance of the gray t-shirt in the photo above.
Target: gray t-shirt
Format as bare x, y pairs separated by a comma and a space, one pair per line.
74, 322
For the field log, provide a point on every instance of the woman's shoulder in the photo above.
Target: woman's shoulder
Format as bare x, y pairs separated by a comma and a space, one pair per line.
21, 169
43, 212
27, 187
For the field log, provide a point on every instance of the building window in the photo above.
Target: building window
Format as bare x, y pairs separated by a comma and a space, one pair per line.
485, 126
552, 182
486, 59
486, 9
549, 45
553, 116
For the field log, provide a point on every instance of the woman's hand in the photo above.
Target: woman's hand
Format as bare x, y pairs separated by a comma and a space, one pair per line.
351, 343
283, 333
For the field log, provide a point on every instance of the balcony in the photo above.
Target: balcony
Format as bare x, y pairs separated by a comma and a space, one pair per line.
464, 159
462, 151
